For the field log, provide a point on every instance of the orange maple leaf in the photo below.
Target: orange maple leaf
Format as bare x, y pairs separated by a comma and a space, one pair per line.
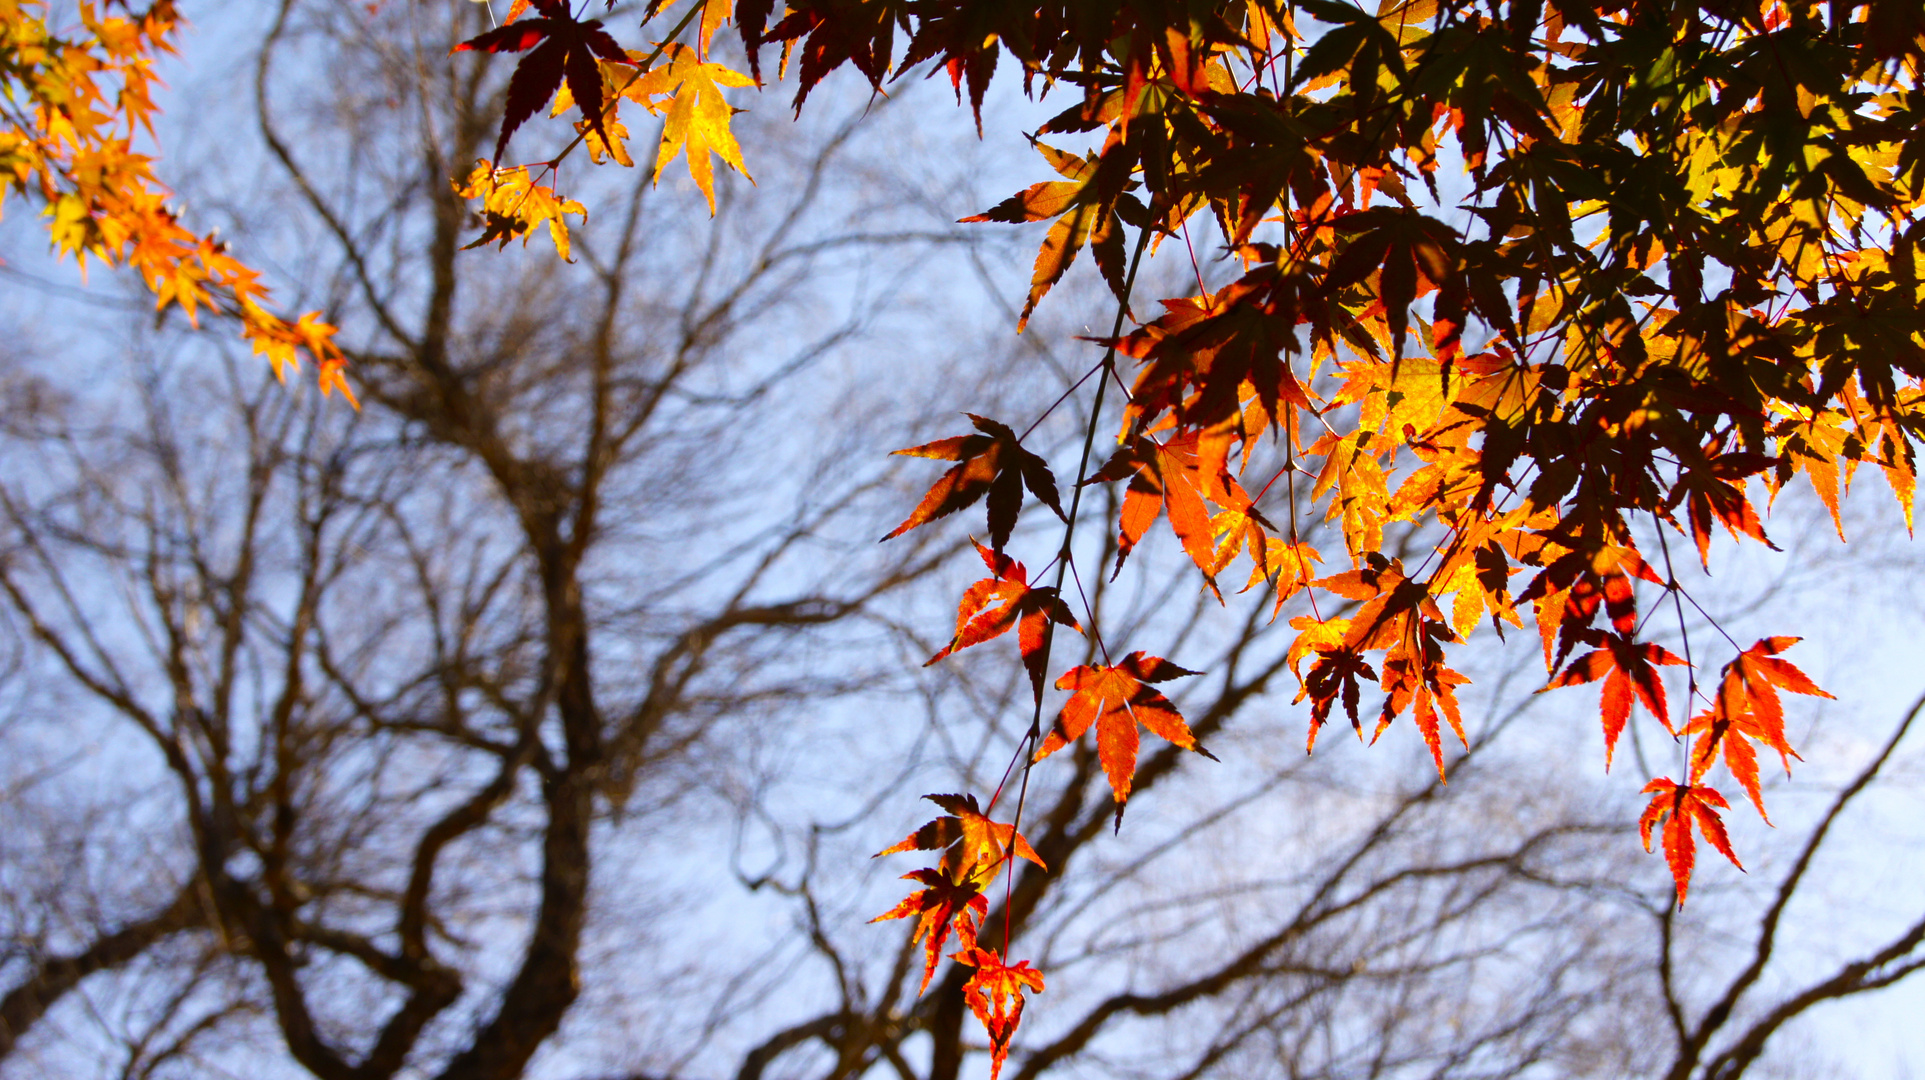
1751, 684
1569, 592
1746, 710
993, 605
1170, 477
1627, 668
973, 846
1415, 675
993, 463
1287, 563
1086, 200
1116, 699
1676, 806
995, 995
946, 902
1716, 730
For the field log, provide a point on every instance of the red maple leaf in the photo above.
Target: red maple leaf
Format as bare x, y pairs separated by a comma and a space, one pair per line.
835, 33
1335, 673
994, 604
563, 49
1676, 806
1751, 684
1116, 699
973, 846
1715, 491
995, 995
1629, 671
993, 463
945, 902
1718, 730
1746, 710
1415, 677
1568, 593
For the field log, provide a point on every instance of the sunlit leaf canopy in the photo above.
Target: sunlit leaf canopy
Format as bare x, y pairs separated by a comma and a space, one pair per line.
1551, 282
76, 102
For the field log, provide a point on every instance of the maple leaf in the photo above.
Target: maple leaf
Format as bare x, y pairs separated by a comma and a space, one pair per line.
1362, 500
944, 903
993, 463
993, 605
1288, 565
513, 205
1627, 668
1087, 203
1397, 614
1676, 806
1168, 478
1239, 530
995, 995
1747, 709
563, 49
1570, 591
1715, 491
1335, 673
1751, 683
973, 846
1204, 353
1717, 730
1116, 699
1314, 635
696, 119
1416, 678
1813, 445
1481, 584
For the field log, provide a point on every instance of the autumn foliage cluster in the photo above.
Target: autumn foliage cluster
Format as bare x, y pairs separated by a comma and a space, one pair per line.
76, 100
1545, 283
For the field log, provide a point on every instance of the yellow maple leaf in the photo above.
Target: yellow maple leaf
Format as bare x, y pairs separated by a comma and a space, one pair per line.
513, 204
618, 81
697, 115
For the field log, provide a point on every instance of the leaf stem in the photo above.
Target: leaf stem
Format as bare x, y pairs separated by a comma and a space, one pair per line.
1063, 557
1684, 636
